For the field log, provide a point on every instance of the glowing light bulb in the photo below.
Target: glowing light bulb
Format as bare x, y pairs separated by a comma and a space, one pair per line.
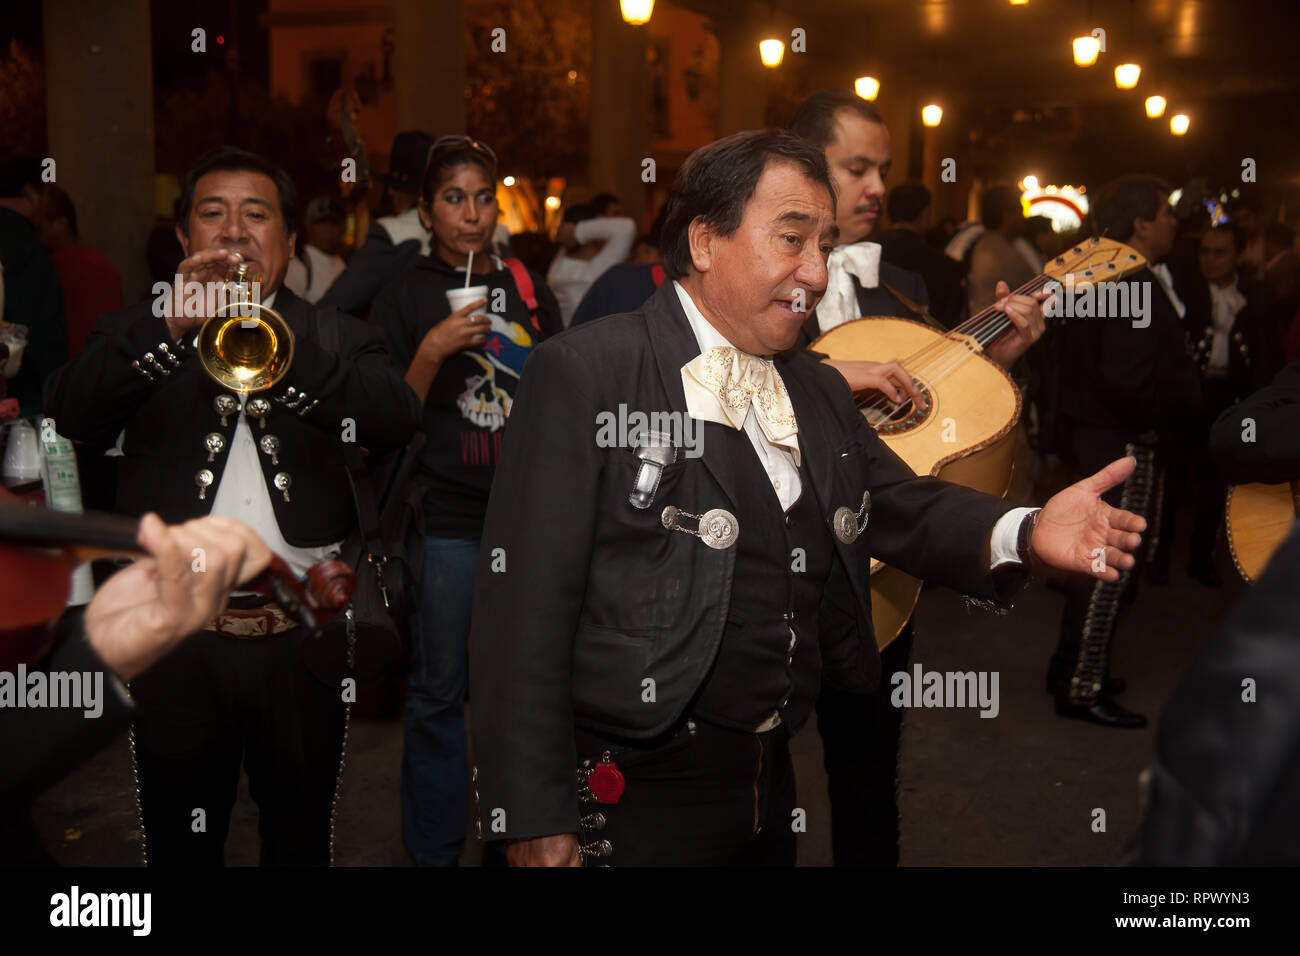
771, 52
932, 115
1155, 106
1179, 124
1031, 182
1126, 75
1086, 50
552, 202
508, 181
637, 12
866, 87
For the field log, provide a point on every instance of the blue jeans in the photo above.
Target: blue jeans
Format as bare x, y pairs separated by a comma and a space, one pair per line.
435, 761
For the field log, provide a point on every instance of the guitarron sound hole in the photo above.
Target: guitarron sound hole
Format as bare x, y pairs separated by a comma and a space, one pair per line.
891, 418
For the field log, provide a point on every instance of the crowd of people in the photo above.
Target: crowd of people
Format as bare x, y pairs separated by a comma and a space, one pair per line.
666, 670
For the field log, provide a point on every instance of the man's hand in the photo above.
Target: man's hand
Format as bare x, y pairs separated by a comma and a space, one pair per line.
141, 613
558, 850
1077, 531
890, 378
1026, 314
207, 265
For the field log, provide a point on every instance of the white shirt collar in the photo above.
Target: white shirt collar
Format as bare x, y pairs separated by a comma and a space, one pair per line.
706, 336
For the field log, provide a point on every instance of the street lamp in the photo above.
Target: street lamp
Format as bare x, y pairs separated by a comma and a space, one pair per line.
1126, 75
867, 87
770, 52
1086, 50
637, 12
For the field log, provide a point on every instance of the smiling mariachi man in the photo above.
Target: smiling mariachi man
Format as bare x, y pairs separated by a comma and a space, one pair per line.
238, 691
658, 624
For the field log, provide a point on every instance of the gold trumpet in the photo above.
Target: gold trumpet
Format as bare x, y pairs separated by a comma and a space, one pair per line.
245, 346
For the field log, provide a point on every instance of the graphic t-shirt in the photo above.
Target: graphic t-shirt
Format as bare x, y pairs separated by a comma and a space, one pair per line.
469, 401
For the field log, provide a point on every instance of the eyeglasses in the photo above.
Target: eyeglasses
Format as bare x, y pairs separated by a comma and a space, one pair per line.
468, 142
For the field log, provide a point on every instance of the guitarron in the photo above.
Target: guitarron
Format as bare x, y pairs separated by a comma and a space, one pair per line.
964, 434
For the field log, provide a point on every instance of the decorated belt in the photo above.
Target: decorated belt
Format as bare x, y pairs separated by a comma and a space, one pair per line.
255, 622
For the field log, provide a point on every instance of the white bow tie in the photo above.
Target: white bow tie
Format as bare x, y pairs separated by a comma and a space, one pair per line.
721, 385
840, 303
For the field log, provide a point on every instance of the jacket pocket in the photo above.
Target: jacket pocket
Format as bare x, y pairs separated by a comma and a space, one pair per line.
610, 668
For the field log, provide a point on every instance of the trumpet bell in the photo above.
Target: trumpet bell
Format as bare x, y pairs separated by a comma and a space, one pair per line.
246, 347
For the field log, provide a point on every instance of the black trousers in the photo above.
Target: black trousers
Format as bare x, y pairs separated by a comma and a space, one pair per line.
860, 735
218, 702
700, 796
1091, 450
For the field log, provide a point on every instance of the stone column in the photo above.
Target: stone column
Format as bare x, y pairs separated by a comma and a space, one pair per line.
429, 66
99, 111
619, 105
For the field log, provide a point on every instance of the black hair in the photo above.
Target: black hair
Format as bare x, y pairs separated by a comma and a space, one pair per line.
1117, 203
445, 158
907, 202
998, 203
814, 120
58, 205
230, 159
1238, 237
17, 173
579, 213
717, 181
602, 201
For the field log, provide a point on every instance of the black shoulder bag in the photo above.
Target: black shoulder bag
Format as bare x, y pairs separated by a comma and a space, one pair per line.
370, 637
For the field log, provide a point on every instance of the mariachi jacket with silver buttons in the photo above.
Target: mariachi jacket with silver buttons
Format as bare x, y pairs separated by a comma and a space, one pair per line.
178, 423
599, 608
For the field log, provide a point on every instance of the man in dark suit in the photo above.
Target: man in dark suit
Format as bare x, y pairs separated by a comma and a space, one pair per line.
657, 601
1124, 380
860, 733
909, 211
238, 691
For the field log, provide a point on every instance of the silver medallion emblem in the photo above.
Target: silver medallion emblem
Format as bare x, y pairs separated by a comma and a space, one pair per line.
214, 443
225, 406
258, 408
718, 528
847, 525
270, 445
282, 483
203, 479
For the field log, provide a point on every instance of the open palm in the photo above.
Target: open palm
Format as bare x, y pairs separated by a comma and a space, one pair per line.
1077, 531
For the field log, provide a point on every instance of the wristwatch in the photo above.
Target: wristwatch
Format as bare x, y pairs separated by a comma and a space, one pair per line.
1024, 548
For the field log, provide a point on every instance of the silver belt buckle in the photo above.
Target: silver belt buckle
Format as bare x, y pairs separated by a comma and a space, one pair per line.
717, 527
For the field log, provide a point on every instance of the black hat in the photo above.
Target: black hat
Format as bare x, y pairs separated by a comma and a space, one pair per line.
407, 160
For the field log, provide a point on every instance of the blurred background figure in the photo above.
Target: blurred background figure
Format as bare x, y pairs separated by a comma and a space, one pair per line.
1244, 212
89, 281
626, 286
317, 262
903, 245
589, 245
32, 297
994, 257
395, 241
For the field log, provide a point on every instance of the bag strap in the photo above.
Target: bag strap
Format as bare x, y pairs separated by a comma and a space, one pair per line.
524, 283
658, 275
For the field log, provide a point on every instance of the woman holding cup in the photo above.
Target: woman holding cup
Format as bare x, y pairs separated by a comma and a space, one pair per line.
460, 323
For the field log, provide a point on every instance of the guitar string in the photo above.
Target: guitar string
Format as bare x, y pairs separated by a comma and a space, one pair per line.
1041, 279
953, 348
985, 327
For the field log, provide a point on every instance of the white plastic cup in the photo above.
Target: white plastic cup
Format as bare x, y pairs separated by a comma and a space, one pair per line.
460, 297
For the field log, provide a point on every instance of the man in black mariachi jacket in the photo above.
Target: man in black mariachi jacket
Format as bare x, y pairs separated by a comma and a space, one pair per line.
655, 609
237, 693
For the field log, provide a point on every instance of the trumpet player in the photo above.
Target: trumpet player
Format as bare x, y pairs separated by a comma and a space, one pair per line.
237, 693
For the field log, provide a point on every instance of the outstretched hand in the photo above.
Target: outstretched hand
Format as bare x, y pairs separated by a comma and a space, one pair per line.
1078, 531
